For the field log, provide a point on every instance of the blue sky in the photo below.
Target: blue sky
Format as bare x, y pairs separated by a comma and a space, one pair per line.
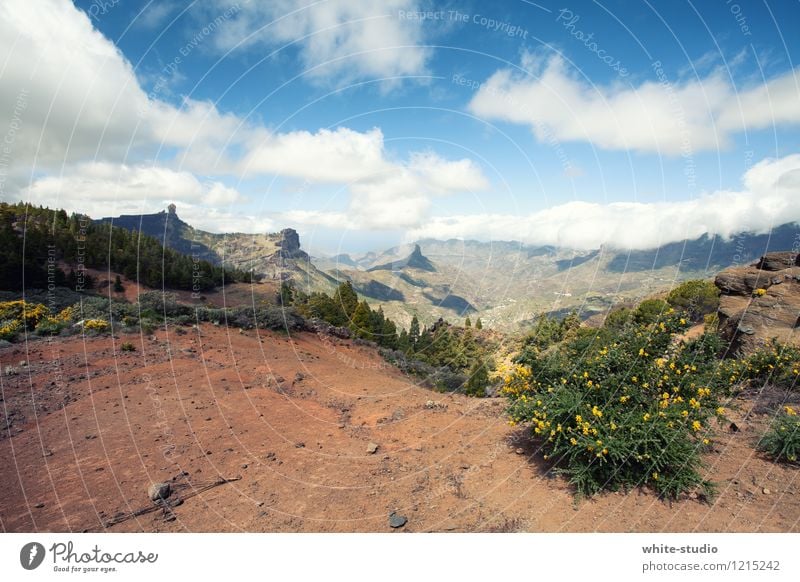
367, 124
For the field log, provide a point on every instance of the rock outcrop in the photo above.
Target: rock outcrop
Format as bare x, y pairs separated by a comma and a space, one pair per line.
289, 245
416, 260
761, 302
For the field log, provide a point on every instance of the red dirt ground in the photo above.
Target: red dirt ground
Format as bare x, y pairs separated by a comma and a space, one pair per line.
90, 427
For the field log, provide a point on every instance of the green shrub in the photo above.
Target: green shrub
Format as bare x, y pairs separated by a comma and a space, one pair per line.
650, 311
695, 298
618, 318
127, 347
622, 415
782, 440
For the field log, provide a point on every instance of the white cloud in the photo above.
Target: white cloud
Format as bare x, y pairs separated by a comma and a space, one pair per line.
666, 116
771, 198
106, 189
90, 127
339, 156
339, 41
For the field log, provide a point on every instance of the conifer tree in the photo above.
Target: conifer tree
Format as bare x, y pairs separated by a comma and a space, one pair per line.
346, 298
361, 322
413, 333
479, 324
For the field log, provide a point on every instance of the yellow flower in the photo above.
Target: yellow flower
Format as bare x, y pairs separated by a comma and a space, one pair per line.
706, 441
641, 351
646, 416
790, 411
696, 426
655, 476
623, 399
573, 442
597, 412
613, 426
720, 411
683, 321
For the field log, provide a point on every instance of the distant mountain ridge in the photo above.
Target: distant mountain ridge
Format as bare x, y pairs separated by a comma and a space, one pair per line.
276, 256
506, 283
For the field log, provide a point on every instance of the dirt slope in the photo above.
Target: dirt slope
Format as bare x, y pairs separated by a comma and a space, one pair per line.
89, 428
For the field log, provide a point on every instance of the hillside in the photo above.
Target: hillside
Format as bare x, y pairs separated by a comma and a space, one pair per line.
294, 426
273, 256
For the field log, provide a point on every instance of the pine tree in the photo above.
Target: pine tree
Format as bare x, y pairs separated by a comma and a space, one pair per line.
361, 322
467, 322
346, 298
413, 333
403, 343
118, 285
479, 324
389, 337
478, 380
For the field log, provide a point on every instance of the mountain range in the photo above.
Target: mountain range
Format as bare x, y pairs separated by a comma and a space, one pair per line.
506, 283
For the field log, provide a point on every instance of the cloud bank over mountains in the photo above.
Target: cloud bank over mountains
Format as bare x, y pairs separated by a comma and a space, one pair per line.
89, 136
771, 197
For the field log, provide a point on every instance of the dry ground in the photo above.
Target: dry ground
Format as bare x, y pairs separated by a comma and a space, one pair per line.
86, 428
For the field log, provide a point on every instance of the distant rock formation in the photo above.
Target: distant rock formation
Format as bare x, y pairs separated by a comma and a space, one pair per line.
416, 260
289, 245
760, 302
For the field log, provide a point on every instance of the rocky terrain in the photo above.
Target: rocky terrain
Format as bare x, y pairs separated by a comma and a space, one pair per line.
761, 302
274, 433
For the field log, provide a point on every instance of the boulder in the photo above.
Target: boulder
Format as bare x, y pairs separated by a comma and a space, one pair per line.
750, 318
159, 491
778, 261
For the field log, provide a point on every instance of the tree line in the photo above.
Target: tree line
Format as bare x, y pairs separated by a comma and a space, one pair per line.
31, 238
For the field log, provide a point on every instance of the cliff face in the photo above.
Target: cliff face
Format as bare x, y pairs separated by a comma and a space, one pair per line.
761, 301
289, 245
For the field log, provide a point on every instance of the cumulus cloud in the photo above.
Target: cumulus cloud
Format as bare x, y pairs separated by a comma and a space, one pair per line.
398, 197
104, 188
339, 41
771, 197
666, 115
97, 135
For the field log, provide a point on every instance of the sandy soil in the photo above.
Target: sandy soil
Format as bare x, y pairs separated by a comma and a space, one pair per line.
86, 429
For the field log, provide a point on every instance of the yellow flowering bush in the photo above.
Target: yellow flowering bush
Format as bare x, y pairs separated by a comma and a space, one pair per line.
628, 411
97, 325
53, 324
18, 315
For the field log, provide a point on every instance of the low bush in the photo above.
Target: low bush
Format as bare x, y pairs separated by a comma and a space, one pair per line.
621, 414
782, 439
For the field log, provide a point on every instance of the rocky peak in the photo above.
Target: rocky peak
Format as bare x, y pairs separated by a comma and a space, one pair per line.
761, 301
289, 244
